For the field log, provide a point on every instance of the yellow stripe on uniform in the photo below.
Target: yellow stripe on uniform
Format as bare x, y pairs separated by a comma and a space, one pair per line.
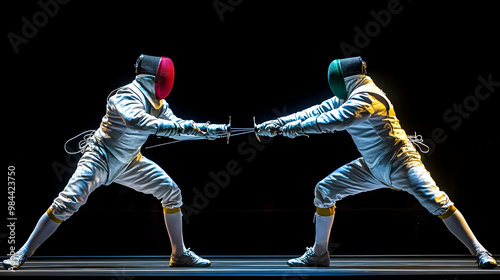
448, 213
325, 211
171, 211
52, 217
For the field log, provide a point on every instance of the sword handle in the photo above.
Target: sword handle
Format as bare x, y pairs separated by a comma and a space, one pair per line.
256, 131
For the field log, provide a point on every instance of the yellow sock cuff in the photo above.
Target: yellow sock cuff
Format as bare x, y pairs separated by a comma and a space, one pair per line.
171, 211
52, 217
325, 211
448, 213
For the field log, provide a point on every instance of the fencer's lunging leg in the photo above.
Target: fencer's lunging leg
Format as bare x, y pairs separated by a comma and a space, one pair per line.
181, 257
45, 227
318, 254
173, 221
324, 221
455, 222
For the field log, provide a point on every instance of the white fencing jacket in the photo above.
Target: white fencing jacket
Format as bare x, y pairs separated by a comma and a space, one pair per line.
132, 114
368, 116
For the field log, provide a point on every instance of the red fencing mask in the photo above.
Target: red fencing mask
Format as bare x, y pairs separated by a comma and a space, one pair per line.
160, 67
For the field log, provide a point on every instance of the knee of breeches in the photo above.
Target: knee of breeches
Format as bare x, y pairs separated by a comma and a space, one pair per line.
170, 196
66, 204
320, 192
323, 197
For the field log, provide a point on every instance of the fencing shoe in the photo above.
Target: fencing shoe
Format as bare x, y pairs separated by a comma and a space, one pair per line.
310, 259
15, 261
485, 260
189, 259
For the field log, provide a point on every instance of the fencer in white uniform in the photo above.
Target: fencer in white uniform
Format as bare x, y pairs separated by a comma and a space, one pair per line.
388, 158
113, 154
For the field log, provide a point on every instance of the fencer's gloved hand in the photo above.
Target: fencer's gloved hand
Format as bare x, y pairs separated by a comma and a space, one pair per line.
292, 129
269, 128
215, 131
190, 128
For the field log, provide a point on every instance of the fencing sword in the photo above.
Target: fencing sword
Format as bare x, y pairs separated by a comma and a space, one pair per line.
229, 131
226, 133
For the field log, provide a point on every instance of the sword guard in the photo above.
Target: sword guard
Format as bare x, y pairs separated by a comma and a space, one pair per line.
255, 130
228, 130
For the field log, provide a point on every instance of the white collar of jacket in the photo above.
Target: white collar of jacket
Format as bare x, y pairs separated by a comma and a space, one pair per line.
146, 83
355, 82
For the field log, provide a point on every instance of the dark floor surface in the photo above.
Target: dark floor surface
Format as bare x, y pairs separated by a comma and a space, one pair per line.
134, 267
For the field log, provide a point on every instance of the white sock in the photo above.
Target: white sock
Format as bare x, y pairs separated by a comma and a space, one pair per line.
174, 228
458, 226
43, 230
323, 228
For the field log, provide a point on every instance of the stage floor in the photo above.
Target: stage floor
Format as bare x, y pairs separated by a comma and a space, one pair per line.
128, 267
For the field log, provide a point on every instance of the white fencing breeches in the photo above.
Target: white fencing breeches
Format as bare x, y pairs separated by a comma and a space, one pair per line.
97, 167
407, 173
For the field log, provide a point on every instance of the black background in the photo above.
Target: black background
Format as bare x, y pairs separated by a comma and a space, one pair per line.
247, 61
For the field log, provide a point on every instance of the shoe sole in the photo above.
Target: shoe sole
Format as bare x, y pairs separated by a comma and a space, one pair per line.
194, 265
10, 267
488, 266
304, 265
